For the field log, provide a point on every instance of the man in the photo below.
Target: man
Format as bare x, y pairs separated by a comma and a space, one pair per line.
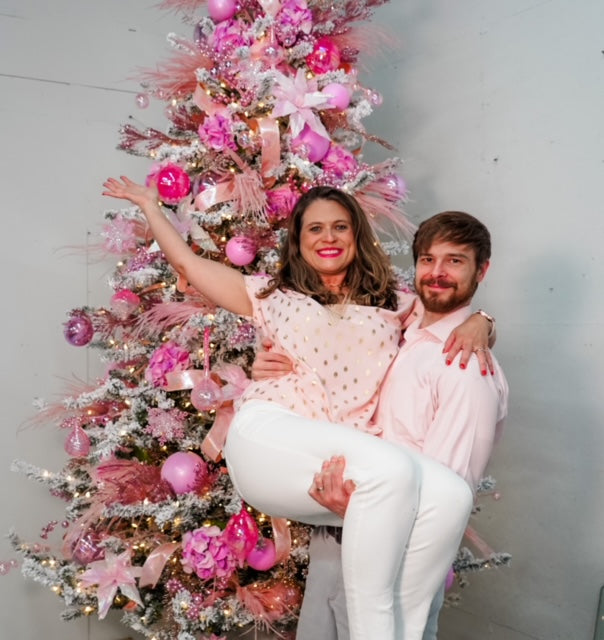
448, 414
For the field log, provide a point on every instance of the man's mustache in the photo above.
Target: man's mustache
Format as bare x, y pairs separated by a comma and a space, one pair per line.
438, 282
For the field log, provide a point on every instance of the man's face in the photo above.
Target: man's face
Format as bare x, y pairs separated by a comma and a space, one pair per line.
446, 276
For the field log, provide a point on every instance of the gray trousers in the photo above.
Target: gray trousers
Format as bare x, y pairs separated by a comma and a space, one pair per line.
323, 613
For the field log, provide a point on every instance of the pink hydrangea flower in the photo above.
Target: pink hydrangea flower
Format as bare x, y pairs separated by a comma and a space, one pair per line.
293, 20
339, 161
206, 553
280, 202
168, 357
229, 35
216, 132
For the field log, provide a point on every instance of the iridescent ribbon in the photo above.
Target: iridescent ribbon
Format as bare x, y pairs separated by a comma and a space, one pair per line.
282, 537
268, 130
155, 563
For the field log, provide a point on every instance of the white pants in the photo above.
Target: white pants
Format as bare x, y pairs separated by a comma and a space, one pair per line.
403, 524
323, 614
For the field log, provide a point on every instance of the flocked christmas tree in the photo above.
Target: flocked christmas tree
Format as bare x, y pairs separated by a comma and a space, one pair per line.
263, 102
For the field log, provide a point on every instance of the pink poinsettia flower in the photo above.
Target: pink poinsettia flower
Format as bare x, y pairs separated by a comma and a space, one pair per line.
119, 235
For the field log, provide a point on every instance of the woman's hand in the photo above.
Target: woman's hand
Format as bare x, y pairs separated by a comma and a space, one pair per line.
138, 194
330, 489
471, 337
269, 364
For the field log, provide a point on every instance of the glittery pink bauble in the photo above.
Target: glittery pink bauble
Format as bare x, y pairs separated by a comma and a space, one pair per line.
315, 146
240, 250
86, 548
241, 533
77, 444
324, 57
124, 303
142, 100
396, 185
220, 10
184, 471
206, 395
78, 330
339, 95
173, 183
263, 556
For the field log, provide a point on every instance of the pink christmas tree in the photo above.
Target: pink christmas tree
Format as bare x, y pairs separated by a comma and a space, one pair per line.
263, 102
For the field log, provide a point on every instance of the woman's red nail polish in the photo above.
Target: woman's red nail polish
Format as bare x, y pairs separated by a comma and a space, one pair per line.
462, 366
447, 362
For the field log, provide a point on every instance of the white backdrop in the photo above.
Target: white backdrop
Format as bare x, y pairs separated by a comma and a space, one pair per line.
497, 109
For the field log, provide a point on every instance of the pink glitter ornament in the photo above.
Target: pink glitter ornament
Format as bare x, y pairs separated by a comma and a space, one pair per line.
184, 471
240, 250
324, 57
263, 556
86, 548
142, 100
124, 303
78, 330
314, 145
241, 534
220, 10
206, 395
339, 95
77, 444
173, 183
395, 183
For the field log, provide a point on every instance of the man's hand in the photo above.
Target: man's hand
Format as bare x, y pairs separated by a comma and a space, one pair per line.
330, 489
269, 364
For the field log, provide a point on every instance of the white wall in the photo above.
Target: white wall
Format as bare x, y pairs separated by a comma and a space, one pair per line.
497, 109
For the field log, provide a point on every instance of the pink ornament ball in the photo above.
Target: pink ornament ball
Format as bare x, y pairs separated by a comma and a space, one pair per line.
396, 185
124, 303
184, 471
78, 330
206, 395
339, 95
87, 549
315, 145
173, 183
240, 250
241, 534
220, 10
263, 556
324, 57
142, 100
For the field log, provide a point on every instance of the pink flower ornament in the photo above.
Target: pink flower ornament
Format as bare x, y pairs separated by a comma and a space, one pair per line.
169, 357
216, 132
206, 553
339, 161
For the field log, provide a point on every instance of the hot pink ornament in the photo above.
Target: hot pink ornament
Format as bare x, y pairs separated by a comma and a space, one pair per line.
206, 395
240, 250
263, 556
77, 444
220, 10
324, 57
316, 146
124, 303
78, 330
184, 471
173, 183
339, 95
241, 534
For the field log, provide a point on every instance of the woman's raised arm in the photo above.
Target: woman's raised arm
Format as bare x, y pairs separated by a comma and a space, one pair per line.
223, 285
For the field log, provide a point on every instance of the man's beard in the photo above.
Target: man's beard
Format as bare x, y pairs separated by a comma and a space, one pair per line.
434, 302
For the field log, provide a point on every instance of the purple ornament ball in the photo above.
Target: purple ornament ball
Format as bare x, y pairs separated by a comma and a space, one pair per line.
316, 145
220, 10
173, 183
396, 185
78, 330
184, 471
240, 250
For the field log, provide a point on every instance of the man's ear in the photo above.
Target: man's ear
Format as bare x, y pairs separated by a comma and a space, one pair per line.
482, 271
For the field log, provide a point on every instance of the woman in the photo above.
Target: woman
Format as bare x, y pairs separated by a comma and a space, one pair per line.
334, 310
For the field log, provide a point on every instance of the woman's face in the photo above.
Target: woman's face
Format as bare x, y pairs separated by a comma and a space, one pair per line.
327, 239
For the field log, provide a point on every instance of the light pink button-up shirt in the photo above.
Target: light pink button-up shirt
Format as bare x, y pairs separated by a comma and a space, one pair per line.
452, 415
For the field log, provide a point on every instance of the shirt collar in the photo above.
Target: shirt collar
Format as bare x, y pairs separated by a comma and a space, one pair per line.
441, 328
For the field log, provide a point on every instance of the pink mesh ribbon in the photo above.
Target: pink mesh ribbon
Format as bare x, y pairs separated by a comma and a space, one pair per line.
155, 563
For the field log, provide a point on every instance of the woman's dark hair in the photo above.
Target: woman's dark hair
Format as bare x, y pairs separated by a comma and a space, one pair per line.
369, 279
